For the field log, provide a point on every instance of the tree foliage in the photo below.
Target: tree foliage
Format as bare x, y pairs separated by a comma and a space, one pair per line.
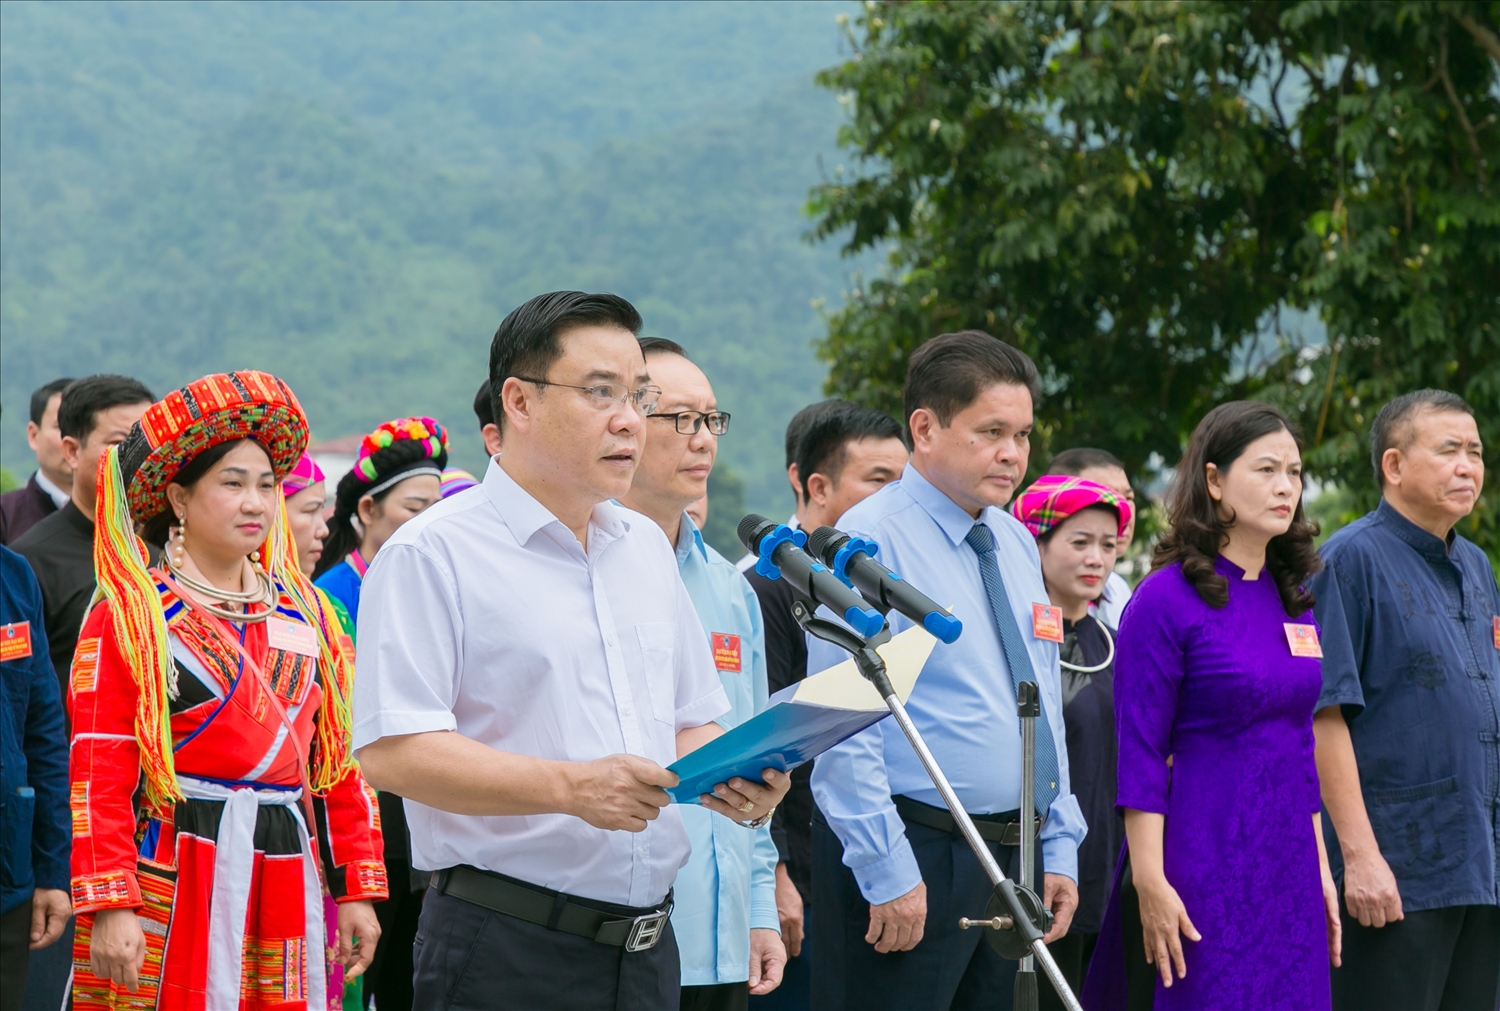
1132, 192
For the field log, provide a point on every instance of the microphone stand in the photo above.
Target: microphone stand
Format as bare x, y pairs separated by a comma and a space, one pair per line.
1028, 708
1014, 912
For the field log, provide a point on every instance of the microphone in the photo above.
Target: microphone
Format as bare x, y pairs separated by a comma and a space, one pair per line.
852, 560
779, 549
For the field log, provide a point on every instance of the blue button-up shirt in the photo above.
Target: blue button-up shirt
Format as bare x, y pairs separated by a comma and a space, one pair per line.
1411, 650
964, 703
728, 887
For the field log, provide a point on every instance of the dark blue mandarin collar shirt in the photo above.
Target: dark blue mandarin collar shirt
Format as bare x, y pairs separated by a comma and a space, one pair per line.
1410, 653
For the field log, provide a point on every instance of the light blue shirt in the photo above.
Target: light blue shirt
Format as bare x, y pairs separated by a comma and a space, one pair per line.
964, 703
728, 887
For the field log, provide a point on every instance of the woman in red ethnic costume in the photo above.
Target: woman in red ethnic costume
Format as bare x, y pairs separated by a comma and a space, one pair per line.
214, 797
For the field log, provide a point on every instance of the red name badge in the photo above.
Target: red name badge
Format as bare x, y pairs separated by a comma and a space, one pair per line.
1303, 639
727, 652
1046, 622
1497, 631
15, 641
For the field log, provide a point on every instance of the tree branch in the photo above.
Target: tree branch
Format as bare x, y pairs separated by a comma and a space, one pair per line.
1486, 38
1275, 104
1463, 117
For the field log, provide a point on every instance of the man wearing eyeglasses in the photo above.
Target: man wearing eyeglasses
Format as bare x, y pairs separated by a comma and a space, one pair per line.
725, 917
529, 663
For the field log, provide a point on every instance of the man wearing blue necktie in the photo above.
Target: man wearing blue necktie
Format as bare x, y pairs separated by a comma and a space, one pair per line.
889, 868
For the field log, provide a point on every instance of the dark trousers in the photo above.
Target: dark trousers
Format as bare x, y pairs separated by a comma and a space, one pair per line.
467, 956
15, 940
1433, 960
48, 971
716, 997
389, 980
1071, 952
949, 968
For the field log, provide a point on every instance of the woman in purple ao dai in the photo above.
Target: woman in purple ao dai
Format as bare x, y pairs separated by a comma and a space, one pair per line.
1216, 678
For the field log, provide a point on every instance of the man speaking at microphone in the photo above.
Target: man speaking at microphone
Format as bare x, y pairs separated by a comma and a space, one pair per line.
529, 662
892, 875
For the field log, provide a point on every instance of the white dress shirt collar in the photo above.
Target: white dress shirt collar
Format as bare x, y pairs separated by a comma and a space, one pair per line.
57, 495
525, 515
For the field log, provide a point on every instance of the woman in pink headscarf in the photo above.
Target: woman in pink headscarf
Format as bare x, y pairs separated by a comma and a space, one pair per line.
1077, 524
306, 497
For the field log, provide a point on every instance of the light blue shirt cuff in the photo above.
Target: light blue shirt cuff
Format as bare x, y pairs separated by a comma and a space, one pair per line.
891, 876
1061, 836
1060, 856
763, 915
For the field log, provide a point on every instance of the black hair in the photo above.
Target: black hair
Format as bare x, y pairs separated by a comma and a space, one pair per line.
949, 372
824, 444
650, 344
1073, 462
83, 400
158, 528
526, 343
1394, 427
799, 423
42, 394
1197, 531
401, 455
484, 405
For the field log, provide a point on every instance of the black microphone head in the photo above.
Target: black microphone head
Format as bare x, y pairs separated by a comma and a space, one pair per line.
752, 529
824, 543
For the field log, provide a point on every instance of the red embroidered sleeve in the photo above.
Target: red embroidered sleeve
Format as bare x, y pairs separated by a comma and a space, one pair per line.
104, 768
354, 849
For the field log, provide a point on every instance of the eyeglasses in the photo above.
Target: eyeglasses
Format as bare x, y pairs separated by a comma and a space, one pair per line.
606, 395
688, 422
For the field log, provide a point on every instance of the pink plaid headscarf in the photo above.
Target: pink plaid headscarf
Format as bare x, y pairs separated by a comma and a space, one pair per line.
1055, 497
303, 476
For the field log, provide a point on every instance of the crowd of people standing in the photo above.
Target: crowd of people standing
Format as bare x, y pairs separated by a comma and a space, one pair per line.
403, 741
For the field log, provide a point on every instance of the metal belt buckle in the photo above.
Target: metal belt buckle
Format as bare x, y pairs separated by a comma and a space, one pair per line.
646, 931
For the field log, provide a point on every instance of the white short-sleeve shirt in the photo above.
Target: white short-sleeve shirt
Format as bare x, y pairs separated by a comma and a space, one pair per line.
484, 615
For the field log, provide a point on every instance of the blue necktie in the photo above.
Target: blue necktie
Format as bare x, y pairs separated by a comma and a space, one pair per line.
1017, 659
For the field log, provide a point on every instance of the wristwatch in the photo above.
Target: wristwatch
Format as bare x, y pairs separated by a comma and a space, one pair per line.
760, 822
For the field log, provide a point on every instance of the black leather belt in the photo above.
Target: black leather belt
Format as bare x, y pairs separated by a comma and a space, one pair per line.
633, 929
1004, 829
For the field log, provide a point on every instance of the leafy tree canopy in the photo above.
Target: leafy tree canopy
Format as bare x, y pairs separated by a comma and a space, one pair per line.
1133, 192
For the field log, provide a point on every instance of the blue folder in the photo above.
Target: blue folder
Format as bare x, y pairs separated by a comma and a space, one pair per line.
791, 731
782, 737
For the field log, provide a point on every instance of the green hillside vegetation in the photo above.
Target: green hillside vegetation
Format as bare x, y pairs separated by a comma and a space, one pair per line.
353, 196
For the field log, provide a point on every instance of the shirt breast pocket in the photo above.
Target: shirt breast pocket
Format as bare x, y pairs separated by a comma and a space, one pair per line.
658, 642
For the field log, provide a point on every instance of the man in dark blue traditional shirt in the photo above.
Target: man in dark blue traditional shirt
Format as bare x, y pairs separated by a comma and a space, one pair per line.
1408, 724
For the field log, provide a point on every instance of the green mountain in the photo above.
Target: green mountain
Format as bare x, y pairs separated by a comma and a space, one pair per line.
352, 196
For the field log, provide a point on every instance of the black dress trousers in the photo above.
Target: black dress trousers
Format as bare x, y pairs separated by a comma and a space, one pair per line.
1434, 960
949, 968
471, 958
